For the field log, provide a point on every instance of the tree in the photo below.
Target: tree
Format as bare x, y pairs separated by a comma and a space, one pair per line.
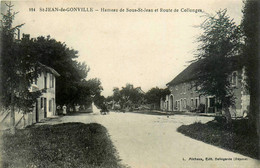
128, 96
18, 69
94, 87
109, 98
250, 28
219, 43
71, 87
100, 101
154, 95
116, 94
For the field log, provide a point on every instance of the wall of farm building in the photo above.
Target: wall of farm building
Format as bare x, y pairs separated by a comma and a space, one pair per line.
185, 97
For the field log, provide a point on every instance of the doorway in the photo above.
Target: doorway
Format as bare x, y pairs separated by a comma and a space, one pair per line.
37, 112
45, 107
211, 105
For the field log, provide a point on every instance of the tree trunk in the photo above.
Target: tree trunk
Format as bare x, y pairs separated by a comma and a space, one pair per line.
253, 114
227, 114
12, 115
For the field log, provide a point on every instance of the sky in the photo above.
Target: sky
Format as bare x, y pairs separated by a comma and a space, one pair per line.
146, 49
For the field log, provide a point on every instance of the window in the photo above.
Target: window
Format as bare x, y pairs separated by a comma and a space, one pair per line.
189, 87
184, 103
171, 89
51, 80
191, 102
179, 105
45, 82
50, 105
234, 78
41, 102
197, 102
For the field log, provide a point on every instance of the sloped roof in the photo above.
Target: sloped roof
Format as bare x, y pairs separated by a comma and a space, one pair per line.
49, 69
189, 73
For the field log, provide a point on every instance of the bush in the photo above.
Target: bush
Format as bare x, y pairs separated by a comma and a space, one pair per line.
220, 119
238, 138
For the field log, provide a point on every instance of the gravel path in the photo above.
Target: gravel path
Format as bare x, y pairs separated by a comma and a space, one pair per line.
151, 141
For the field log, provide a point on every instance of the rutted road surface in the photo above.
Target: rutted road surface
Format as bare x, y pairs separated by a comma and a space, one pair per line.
151, 141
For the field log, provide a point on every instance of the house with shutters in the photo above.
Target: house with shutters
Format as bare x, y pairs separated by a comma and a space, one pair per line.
185, 96
45, 105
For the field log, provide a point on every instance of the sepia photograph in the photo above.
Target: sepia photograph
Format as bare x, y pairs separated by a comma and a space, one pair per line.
129, 84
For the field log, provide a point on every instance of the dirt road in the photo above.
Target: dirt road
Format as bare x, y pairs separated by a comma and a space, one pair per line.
151, 141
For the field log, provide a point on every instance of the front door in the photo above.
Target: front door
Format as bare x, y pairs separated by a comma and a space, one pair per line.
45, 108
37, 112
211, 105
181, 104
53, 107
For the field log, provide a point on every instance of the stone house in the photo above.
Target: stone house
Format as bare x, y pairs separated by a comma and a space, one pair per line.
185, 97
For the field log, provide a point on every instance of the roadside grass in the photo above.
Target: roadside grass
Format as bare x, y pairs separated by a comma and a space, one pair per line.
153, 112
64, 145
237, 139
167, 113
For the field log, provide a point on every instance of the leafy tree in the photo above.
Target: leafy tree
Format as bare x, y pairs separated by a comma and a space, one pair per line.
154, 95
219, 43
95, 86
128, 96
131, 96
109, 98
100, 101
250, 27
90, 92
130, 93
71, 87
116, 94
18, 68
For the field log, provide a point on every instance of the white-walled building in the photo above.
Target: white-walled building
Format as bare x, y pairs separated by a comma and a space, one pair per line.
46, 103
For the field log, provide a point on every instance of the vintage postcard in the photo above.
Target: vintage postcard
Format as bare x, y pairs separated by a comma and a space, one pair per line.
138, 83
